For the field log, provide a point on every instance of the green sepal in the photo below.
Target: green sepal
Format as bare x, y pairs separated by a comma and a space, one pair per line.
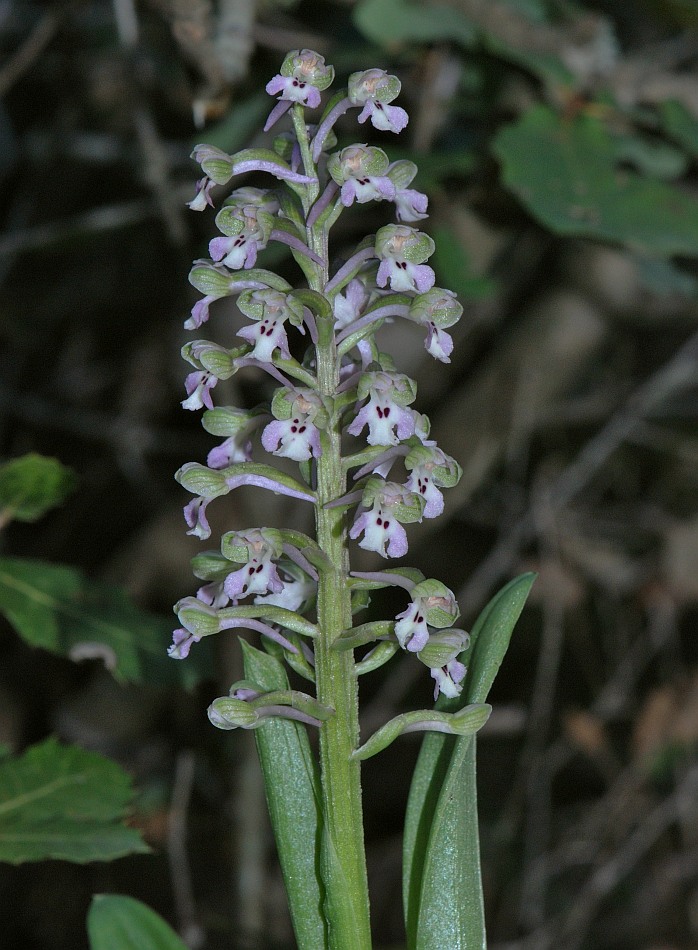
407, 509
232, 220
308, 66
239, 546
436, 306
438, 603
402, 173
403, 390
226, 421
229, 713
215, 163
362, 160
201, 480
444, 475
197, 617
215, 280
293, 796
210, 566
393, 240
210, 356
443, 647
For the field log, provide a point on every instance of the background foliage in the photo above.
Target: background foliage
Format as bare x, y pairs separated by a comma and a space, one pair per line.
558, 144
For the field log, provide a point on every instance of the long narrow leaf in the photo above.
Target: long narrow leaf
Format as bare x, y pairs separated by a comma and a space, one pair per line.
441, 834
291, 782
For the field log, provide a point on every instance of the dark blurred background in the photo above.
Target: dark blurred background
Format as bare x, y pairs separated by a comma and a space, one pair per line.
558, 142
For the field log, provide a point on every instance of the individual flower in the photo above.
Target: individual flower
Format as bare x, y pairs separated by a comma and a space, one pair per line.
202, 199
388, 421
298, 589
449, 679
433, 604
293, 434
359, 171
237, 425
269, 309
198, 386
302, 76
349, 306
410, 205
254, 548
402, 251
374, 89
195, 517
431, 469
246, 220
181, 644
434, 310
388, 505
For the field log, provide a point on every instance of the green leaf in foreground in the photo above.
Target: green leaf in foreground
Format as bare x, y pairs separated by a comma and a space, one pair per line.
567, 173
292, 787
32, 485
116, 922
58, 609
442, 890
63, 802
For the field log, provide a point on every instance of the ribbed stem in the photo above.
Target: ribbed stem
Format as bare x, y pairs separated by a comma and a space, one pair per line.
343, 860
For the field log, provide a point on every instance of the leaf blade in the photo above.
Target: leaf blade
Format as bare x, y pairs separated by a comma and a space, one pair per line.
64, 803
118, 922
293, 797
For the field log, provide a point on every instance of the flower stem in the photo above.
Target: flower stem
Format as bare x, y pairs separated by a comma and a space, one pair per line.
343, 860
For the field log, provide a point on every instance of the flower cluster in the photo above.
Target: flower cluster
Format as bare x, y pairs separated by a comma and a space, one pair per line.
341, 408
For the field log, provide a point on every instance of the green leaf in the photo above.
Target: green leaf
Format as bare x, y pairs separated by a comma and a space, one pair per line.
453, 268
566, 172
681, 125
393, 23
293, 797
117, 922
56, 608
32, 485
62, 802
441, 845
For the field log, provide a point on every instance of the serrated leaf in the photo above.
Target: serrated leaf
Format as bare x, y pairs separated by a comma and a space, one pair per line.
32, 485
566, 172
441, 844
58, 609
293, 796
63, 802
117, 922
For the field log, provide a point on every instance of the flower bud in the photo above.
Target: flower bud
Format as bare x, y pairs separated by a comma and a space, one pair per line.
228, 713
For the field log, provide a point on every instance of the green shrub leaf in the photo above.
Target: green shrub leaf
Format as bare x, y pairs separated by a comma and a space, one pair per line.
116, 922
63, 802
56, 608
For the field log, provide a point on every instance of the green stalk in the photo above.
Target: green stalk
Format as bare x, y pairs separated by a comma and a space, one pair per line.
342, 859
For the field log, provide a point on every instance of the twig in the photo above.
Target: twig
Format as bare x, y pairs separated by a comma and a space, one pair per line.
191, 931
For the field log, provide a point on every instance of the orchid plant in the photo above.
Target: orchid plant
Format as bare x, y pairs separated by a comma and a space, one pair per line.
368, 467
